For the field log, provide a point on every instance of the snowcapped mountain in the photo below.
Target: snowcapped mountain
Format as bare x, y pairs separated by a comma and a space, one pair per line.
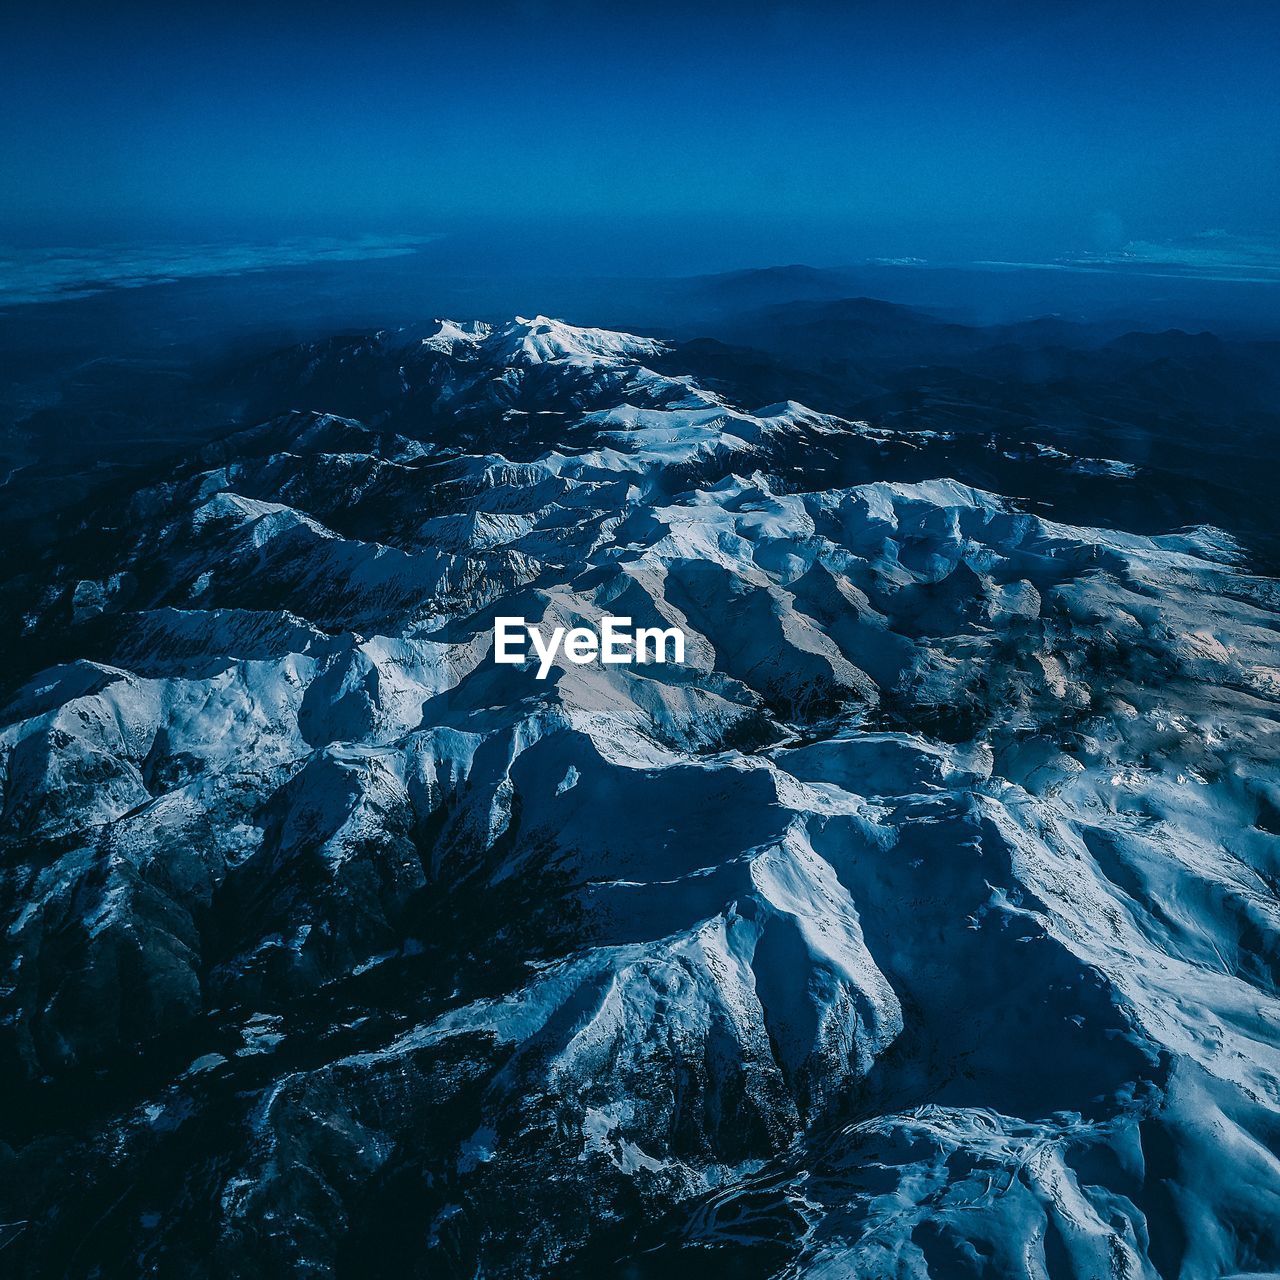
923, 922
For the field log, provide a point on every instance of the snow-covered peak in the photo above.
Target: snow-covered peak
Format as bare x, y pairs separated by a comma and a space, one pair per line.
541, 340
452, 338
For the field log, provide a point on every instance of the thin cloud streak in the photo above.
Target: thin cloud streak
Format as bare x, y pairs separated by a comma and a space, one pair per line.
48, 274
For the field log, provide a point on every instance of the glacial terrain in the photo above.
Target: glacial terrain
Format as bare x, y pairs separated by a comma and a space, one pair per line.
923, 923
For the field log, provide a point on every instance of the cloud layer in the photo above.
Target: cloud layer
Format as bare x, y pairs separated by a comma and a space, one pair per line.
45, 274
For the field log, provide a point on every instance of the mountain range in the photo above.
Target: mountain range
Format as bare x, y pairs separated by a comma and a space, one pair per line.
923, 923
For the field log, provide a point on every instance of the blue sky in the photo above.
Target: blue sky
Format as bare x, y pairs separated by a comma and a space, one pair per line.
749, 132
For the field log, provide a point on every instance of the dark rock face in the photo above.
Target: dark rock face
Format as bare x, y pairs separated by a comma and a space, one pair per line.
923, 922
